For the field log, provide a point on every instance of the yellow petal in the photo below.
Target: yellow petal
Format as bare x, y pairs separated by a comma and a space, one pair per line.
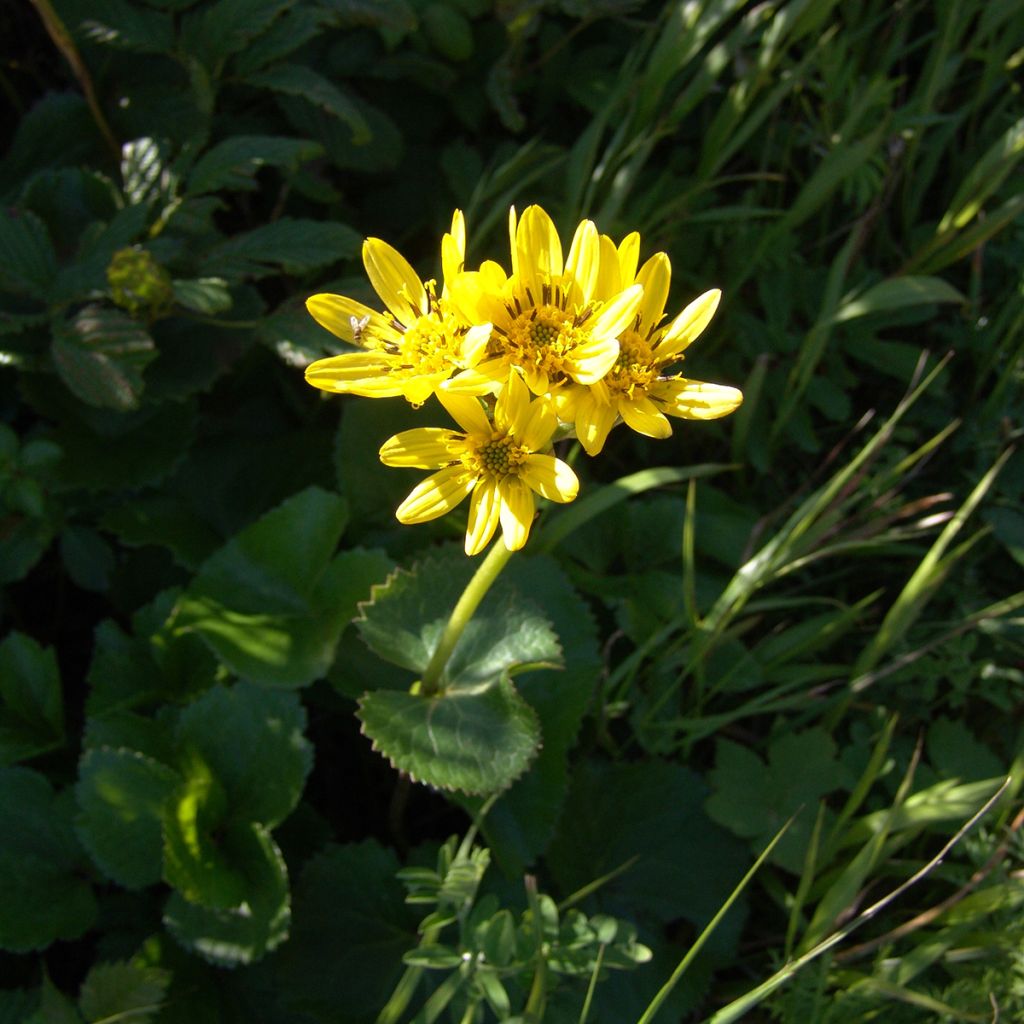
592, 361
616, 315
688, 325
436, 495
422, 448
512, 410
594, 421
349, 319
355, 373
655, 276
584, 261
483, 379
629, 257
394, 280
540, 424
609, 280
696, 399
539, 251
516, 509
512, 228
474, 343
642, 415
550, 477
484, 512
416, 390
467, 411
475, 299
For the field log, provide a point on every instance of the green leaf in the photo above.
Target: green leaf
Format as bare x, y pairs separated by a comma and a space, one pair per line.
43, 893
167, 521
121, 798
100, 354
263, 759
132, 451
520, 825
220, 29
233, 163
88, 558
295, 246
206, 295
405, 617
896, 293
54, 1007
956, 753
755, 801
199, 849
128, 27
271, 604
349, 913
475, 741
31, 705
302, 81
295, 28
258, 922
28, 263
652, 811
123, 992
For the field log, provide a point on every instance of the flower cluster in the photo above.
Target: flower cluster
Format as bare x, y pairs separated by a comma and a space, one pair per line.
569, 343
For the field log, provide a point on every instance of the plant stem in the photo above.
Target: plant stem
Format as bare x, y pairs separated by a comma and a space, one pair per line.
62, 40
474, 593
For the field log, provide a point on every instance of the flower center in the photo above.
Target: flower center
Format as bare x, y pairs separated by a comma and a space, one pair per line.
431, 345
545, 337
635, 369
498, 458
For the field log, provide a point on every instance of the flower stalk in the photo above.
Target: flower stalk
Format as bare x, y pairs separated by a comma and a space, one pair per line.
489, 570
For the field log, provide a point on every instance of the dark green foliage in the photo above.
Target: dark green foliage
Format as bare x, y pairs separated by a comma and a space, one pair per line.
205, 595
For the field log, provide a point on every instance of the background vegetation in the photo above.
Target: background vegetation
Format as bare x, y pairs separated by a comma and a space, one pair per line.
811, 608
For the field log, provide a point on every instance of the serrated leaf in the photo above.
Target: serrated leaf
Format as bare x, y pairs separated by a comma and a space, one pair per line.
31, 705
100, 354
128, 27
43, 893
520, 825
263, 786
473, 741
405, 617
145, 172
142, 449
233, 163
220, 29
257, 923
58, 130
206, 295
651, 811
302, 81
293, 245
957, 753
293, 29
755, 801
349, 913
122, 992
88, 558
269, 604
167, 521
121, 796
28, 263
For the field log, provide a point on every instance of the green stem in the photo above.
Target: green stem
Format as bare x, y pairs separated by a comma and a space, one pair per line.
474, 593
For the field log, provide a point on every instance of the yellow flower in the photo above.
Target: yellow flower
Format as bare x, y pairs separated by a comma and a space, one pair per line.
548, 322
500, 463
413, 346
636, 388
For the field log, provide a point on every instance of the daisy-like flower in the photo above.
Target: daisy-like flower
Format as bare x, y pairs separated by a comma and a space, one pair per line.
636, 389
549, 323
413, 346
501, 463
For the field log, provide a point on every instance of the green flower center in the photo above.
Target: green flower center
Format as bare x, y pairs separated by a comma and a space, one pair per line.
500, 457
